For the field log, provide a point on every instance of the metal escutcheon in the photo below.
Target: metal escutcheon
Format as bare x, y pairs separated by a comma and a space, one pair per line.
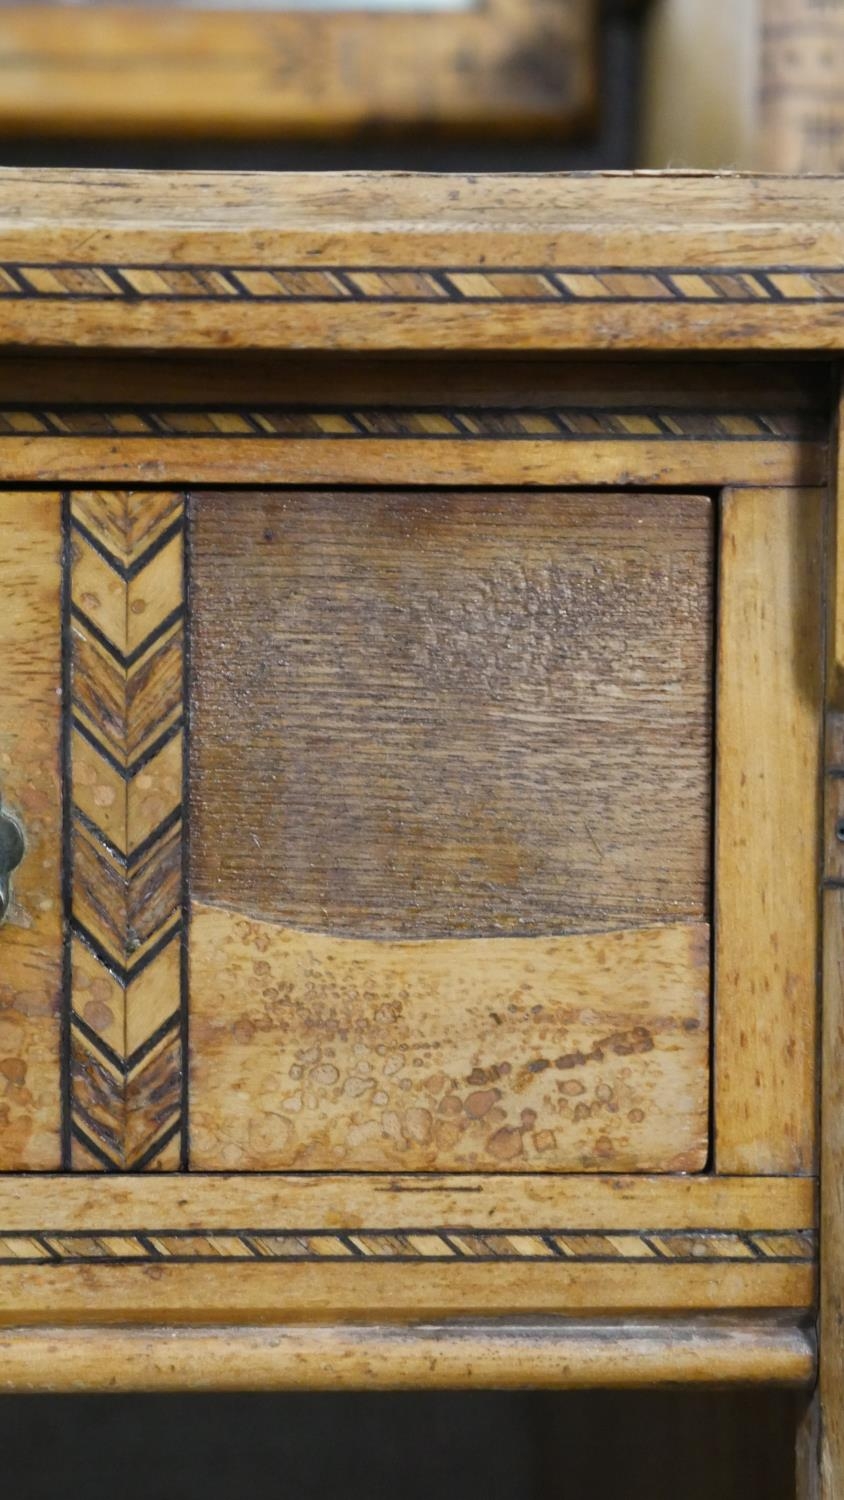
12, 848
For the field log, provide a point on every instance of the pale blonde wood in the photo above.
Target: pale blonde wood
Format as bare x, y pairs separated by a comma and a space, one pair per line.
106, 1273
313, 1291
767, 830
580, 1052
695, 114
509, 66
391, 231
191, 461
509, 1201
506, 1355
831, 1350
316, 219
30, 788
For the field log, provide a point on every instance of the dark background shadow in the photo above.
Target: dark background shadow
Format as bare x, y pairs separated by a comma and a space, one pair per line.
420, 1446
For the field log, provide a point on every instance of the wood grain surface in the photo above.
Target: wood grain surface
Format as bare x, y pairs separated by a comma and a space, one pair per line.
301, 1201
432, 715
224, 1291
767, 856
823, 1446
532, 263
30, 788
549, 1354
826, 1457
575, 1053
95, 1273
330, 420
692, 265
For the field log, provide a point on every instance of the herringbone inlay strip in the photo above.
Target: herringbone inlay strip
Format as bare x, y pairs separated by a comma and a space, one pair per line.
125, 773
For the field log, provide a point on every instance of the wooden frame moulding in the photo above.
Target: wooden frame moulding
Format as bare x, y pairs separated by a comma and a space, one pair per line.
390, 262
730, 272
384, 421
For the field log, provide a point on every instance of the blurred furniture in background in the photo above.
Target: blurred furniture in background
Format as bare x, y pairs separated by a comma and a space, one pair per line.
417, 84
754, 84
298, 68
801, 94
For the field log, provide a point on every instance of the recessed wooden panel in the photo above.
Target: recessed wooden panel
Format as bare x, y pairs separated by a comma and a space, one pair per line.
31, 942
435, 715
450, 826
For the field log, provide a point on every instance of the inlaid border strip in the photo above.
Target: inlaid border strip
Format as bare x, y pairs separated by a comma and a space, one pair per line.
82, 281
550, 423
594, 1247
125, 759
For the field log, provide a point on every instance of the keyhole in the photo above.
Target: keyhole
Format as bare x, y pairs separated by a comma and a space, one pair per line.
12, 848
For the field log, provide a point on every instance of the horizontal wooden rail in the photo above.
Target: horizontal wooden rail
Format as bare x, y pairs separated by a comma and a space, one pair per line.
544, 1354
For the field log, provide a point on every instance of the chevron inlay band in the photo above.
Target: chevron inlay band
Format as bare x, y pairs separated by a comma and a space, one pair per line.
125, 770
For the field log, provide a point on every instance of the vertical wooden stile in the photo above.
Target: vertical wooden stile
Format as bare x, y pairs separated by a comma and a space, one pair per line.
768, 780
821, 1452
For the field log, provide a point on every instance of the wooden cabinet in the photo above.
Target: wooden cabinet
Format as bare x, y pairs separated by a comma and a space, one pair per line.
413, 706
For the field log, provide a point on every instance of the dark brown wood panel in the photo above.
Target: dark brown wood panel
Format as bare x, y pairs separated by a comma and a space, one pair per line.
422, 715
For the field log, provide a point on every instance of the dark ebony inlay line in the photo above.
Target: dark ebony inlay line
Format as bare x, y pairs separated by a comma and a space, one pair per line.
125, 662
123, 975
128, 575
67, 838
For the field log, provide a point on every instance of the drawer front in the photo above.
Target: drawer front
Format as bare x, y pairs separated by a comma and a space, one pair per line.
450, 768
384, 820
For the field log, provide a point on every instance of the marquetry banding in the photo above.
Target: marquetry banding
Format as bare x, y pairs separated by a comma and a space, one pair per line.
125, 768
688, 1247
504, 424
708, 285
